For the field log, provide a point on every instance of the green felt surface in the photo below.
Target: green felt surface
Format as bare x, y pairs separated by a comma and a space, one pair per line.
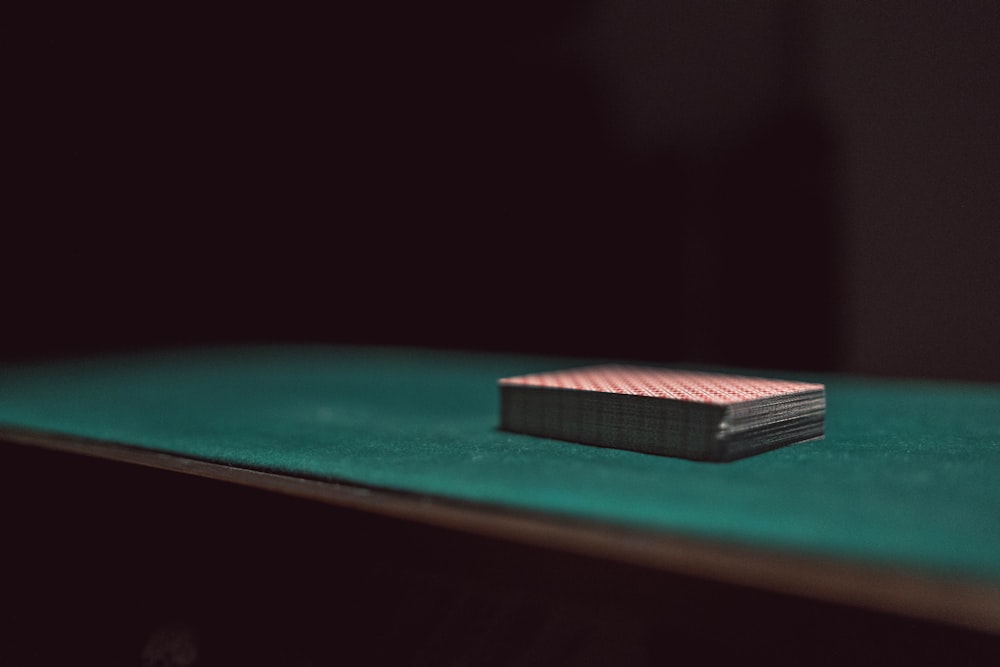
908, 474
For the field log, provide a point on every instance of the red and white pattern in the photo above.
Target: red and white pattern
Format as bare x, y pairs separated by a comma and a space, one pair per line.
694, 386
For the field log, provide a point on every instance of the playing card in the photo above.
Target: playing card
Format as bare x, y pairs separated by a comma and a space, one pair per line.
690, 414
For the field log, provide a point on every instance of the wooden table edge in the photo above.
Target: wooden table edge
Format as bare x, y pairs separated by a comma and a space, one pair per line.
954, 601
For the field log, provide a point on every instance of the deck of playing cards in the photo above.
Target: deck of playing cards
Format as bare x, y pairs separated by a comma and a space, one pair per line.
688, 414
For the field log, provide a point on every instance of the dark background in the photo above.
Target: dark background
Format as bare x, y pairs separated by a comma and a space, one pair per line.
807, 185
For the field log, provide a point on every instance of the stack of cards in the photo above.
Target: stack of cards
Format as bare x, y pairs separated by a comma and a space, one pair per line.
694, 415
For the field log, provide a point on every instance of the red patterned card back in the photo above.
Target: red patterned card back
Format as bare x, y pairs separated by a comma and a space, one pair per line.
694, 386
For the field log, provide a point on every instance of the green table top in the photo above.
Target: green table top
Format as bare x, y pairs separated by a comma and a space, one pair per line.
906, 476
